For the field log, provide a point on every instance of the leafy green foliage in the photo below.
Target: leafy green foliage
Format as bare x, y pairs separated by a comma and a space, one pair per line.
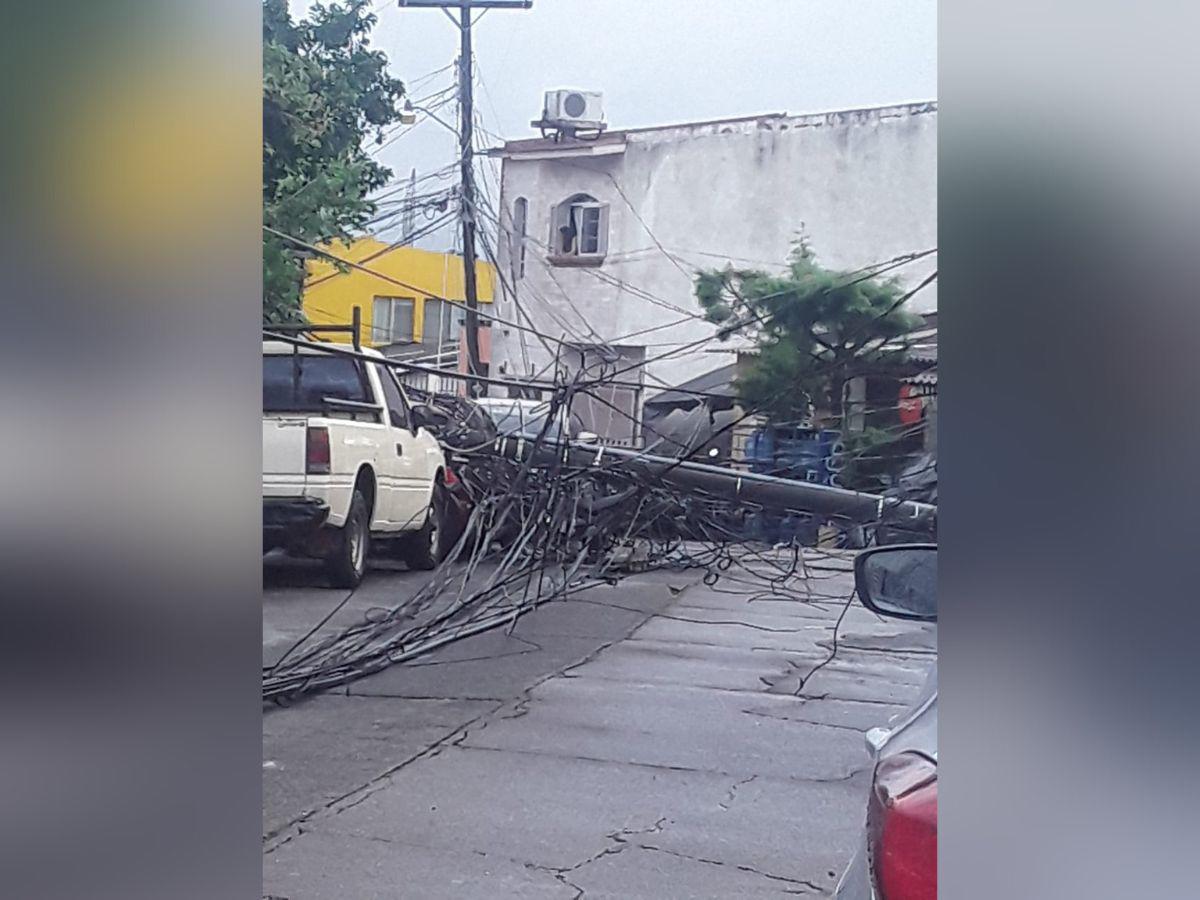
814, 328
870, 458
324, 93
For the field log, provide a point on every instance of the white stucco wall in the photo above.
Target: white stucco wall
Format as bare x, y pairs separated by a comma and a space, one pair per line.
862, 185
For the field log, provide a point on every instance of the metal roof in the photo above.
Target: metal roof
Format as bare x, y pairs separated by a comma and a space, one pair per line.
718, 381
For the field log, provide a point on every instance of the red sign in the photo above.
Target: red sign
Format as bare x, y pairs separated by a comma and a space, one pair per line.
909, 405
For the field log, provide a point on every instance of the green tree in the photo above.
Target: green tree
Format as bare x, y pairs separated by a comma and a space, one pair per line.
325, 93
814, 329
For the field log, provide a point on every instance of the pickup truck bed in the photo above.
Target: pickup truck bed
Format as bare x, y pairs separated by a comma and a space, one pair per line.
343, 461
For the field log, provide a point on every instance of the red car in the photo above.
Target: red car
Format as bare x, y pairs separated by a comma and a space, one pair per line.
897, 859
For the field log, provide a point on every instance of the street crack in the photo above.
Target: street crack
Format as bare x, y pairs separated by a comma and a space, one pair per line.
618, 843
767, 715
519, 709
805, 887
729, 798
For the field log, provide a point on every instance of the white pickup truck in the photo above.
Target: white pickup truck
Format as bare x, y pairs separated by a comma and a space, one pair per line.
344, 460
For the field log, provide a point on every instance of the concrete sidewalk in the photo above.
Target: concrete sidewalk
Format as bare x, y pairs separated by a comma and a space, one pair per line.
671, 759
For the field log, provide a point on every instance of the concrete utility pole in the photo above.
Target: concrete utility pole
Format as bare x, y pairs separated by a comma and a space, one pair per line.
466, 135
467, 158
781, 494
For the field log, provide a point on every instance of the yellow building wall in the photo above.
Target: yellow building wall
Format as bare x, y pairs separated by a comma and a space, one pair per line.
330, 296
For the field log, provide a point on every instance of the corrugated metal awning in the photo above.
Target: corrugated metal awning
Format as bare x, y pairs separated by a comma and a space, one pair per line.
928, 377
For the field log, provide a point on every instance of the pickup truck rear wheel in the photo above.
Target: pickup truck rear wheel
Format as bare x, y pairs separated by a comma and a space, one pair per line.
422, 549
347, 564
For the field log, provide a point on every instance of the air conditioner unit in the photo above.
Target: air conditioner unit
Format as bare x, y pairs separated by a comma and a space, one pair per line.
577, 110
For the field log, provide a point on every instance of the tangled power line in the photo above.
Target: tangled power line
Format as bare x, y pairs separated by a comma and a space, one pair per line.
550, 518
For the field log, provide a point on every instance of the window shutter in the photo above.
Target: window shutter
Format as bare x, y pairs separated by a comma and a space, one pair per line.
558, 219
576, 229
602, 246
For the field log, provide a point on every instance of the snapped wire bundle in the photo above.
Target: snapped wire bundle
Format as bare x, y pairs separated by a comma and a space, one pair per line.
549, 520
543, 527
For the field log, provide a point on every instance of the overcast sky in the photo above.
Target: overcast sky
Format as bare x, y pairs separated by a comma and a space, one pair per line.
662, 61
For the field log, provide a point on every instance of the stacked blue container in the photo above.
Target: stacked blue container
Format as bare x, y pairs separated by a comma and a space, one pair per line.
801, 453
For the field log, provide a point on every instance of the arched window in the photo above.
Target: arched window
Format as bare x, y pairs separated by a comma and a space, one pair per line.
520, 218
579, 231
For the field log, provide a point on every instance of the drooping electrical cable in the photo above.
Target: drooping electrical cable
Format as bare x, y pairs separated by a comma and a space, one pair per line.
544, 527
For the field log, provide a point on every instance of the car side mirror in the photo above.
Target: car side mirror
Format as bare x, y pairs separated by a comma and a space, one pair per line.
898, 581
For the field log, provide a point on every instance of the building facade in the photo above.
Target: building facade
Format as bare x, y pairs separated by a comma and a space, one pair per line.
601, 239
411, 300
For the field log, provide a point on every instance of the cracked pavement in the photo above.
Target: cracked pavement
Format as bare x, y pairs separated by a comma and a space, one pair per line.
648, 743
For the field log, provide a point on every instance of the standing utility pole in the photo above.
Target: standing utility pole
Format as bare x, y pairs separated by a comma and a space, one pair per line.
466, 134
466, 150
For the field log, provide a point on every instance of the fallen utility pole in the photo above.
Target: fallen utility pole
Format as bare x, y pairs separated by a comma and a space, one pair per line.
764, 490
467, 207
768, 491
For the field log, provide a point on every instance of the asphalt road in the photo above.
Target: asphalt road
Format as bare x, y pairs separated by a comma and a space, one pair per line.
649, 740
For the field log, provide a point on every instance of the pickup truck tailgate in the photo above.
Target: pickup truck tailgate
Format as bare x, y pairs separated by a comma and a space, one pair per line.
283, 455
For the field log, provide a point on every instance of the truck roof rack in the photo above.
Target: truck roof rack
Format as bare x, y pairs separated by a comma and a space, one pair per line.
353, 329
